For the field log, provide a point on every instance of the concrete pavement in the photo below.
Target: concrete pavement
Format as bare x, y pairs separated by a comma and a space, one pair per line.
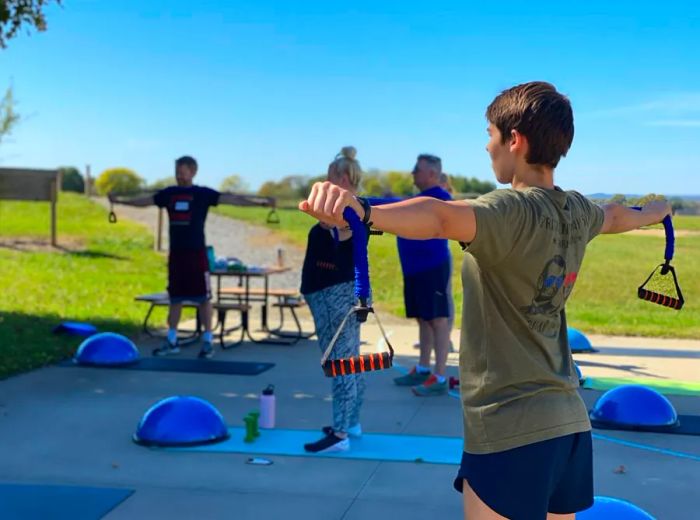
74, 426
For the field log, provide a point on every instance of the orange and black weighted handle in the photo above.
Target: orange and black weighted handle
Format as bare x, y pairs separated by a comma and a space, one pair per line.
357, 364
661, 299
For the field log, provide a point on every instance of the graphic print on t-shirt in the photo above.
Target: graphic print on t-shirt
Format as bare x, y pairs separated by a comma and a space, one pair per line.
553, 288
180, 209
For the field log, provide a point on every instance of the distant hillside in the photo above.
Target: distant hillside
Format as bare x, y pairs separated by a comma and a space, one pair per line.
605, 196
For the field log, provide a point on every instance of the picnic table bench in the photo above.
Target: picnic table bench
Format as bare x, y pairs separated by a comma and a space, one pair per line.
162, 299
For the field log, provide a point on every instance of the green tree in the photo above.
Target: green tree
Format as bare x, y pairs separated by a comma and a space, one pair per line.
399, 183
641, 201
289, 188
234, 183
13, 15
463, 184
8, 117
162, 183
71, 180
372, 186
677, 203
17, 13
120, 181
618, 198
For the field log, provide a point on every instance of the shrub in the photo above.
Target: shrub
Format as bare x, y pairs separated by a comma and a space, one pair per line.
120, 181
162, 183
71, 180
234, 183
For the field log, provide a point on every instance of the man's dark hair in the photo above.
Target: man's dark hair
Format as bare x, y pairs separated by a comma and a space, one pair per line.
541, 114
188, 161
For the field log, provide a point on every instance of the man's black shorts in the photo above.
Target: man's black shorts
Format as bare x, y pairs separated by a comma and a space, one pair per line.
425, 294
554, 476
188, 275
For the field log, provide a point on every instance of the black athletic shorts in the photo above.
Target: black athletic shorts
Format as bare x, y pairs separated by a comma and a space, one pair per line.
188, 275
526, 483
425, 294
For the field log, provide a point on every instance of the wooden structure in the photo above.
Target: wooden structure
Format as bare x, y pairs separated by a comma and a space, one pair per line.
32, 184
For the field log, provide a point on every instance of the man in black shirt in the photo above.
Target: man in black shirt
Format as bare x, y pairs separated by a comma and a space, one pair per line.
188, 267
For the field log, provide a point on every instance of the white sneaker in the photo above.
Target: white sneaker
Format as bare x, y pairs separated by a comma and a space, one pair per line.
355, 431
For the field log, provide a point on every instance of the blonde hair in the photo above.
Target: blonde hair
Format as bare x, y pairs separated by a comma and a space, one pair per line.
445, 183
346, 164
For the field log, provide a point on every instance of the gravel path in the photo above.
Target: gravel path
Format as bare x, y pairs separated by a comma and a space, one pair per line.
254, 245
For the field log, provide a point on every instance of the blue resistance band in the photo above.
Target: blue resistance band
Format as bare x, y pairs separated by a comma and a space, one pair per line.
360, 256
670, 237
363, 292
674, 302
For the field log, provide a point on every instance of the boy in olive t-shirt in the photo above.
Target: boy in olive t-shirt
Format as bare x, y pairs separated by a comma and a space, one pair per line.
527, 452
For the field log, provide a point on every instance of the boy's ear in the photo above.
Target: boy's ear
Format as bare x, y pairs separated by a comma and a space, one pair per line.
518, 142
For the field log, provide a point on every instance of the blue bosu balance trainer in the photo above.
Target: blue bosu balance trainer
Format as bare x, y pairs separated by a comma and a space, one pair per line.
579, 374
578, 342
640, 408
75, 328
181, 421
106, 349
608, 508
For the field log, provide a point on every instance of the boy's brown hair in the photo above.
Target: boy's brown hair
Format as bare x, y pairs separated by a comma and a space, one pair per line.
541, 114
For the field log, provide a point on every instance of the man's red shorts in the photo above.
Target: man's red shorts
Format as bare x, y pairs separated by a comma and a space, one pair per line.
188, 275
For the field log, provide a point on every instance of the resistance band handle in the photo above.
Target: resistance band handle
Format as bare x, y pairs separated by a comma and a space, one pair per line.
359, 255
112, 218
273, 217
358, 364
660, 299
670, 237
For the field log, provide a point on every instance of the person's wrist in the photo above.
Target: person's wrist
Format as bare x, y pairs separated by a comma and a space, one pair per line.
366, 208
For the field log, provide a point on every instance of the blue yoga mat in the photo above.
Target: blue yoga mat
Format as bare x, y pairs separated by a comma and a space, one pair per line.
371, 446
20, 502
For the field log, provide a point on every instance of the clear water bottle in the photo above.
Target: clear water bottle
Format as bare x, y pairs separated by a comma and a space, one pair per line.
267, 407
280, 257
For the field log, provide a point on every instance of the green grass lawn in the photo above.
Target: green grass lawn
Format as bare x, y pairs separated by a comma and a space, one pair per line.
684, 222
605, 296
94, 279
688, 222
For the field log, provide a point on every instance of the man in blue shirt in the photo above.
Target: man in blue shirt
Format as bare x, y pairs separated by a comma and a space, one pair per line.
426, 266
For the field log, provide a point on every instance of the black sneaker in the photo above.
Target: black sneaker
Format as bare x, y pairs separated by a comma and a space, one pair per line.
327, 444
353, 431
207, 351
167, 349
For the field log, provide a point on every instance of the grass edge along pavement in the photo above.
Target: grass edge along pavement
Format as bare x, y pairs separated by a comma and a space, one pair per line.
604, 300
92, 277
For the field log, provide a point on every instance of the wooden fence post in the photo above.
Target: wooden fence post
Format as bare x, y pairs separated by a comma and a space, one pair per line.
159, 231
54, 200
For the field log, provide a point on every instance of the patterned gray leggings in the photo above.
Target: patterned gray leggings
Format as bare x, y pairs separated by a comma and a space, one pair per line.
329, 307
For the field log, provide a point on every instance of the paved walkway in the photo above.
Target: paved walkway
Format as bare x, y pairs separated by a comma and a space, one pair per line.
254, 245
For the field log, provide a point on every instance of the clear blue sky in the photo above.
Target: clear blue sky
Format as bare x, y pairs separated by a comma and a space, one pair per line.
267, 89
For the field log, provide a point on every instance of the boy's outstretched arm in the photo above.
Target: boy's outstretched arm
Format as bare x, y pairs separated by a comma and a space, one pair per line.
142, 201
619, 218
418, 218
236, 199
